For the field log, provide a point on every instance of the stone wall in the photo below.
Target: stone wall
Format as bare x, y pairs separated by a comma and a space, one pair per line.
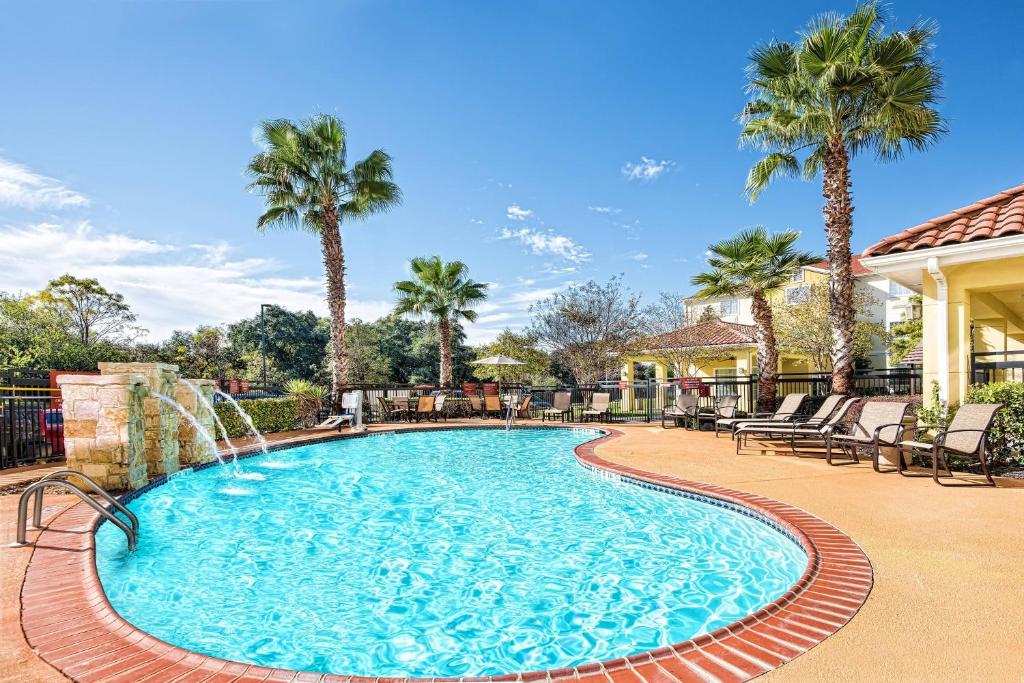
104, 428
193, 449
161, 419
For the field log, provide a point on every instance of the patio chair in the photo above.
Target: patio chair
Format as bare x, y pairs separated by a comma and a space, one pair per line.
476, 406
523, 411
391, 411
828, 417
599, 405
490, 389
880, 424
725, 409
439, 410
966, 434
683, 410
492, 405
561, 406
787, 411
424, 409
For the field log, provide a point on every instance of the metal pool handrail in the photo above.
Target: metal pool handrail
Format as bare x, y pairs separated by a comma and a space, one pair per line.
37, 517
37, 489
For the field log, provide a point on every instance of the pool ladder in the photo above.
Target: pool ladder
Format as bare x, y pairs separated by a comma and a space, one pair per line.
61, 478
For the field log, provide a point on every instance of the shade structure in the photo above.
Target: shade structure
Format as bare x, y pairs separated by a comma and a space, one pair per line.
498, 360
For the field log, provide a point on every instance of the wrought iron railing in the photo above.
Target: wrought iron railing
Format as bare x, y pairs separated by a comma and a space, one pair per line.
990, 367
31, 431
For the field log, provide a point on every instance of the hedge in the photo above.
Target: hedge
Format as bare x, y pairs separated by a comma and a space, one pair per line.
268, 415
1006, 439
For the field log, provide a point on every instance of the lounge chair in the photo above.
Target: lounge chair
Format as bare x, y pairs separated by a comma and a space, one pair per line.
391, 411
725, 409
965, 435
424, 409
492, 405
684, 409
787, 411
880, 424
523, 411
828, 417
561, 406
599, 404
476, 406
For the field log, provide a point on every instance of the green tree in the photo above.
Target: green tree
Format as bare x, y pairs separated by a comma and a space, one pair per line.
204, 353
753, 264
296, 345
845, 87
906, 335
88, 310
367, 362
522, 347
444, 292
804, 327
305, 178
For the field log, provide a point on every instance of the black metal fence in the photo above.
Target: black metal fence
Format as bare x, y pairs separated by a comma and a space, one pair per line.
31, 431
643, 401
990, 367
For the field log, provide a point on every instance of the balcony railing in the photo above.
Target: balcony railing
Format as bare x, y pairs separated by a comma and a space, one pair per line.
990, 367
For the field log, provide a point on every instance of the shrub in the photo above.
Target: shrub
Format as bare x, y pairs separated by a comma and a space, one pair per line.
268, 415
309, 399
1006, 440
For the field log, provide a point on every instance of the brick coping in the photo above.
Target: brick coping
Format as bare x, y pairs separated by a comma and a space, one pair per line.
70, 624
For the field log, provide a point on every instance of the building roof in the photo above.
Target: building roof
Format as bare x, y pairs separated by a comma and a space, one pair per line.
1001, 215
915, 356
711, 333
856, 267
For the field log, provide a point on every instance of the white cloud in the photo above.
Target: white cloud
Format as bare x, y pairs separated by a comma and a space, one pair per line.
517, 213
548, 243
646, 169
638, 256
607, 210
24, 188
168, 286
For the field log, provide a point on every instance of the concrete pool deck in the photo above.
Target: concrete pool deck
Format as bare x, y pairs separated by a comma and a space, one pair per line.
946, 601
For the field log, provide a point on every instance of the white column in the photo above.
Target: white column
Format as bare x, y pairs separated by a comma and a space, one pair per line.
941, 324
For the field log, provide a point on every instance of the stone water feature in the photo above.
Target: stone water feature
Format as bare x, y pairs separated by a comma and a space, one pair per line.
117, 431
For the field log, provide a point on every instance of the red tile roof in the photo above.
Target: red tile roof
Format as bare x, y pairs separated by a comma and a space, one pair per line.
856, 267
915, 356
711, 333
999, 216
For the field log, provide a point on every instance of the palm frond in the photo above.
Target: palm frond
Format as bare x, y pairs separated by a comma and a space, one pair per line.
767, 169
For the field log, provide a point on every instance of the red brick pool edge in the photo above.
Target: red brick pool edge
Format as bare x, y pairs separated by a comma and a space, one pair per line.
70, 624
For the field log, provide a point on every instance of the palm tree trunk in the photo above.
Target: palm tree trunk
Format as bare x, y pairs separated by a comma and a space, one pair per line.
444, 332
767, 353
334, 269
838, 212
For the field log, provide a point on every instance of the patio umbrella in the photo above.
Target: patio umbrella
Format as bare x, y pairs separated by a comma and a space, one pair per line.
501, 360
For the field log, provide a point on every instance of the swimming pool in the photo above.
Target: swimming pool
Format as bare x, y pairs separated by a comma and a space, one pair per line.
435, 553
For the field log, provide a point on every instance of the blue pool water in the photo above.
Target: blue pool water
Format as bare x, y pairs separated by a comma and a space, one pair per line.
455, 553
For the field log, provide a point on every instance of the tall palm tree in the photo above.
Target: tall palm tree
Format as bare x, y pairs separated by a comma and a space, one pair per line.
844, 87
445, 293
753, 264
308, 185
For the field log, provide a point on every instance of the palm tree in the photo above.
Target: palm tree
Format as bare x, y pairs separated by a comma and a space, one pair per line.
753, 264
445, 293
844, 87
308, 185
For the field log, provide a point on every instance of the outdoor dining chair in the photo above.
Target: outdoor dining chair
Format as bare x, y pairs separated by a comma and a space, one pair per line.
424, 409
683, 410
966, 435
390, 410
787, 411
828, 417
599, 406
561, 406
523, 411
880, 425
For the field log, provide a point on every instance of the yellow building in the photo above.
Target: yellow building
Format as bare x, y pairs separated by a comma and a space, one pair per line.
969, 267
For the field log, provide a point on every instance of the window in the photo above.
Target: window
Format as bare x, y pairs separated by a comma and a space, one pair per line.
798, 276
896, 289
798, 295
727, 307
725, 381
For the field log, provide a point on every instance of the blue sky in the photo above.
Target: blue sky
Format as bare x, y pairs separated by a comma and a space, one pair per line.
543, 143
